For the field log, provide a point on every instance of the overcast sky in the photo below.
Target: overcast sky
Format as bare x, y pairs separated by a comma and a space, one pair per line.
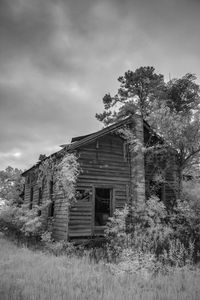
59, 58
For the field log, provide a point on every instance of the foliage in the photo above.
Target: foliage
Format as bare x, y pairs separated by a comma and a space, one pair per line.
67, 171
141, 228
137, 91
186, 218
11, 185
183, 94
20, 221
116, 235
42, 157
140, 89
172, 110
181, 132
56, 247
148, 229
177, 254
63, 171
135, 145
24, 222
46, 171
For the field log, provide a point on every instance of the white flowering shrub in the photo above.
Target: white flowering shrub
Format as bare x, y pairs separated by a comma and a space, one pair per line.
67, 171
20, 221
116, 235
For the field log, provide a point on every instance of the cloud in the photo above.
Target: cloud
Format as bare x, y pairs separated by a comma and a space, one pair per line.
58, 59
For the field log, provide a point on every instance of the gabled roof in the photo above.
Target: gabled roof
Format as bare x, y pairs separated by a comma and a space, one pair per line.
86, 139
94, 136
78, 138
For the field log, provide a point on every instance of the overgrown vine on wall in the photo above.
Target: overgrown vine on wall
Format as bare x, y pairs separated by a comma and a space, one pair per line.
46, 171
159, 154
135, 145
66, 173
63, 171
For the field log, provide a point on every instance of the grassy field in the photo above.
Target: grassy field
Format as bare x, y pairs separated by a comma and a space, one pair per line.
25, 274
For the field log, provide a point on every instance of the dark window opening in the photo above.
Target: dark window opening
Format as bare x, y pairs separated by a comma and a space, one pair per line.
157, 189
31, 199
39, 200
102, 206
125, 151
83, 195
52, 203
97, 150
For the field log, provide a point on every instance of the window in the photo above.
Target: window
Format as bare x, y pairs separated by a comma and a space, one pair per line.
157, 189
83, 195
52, 203
102, 206
125, 151
97, 150
31, 199
39, 200
28, 179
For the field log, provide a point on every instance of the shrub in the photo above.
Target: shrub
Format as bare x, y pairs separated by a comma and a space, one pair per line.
57, 247
116, 235
149, 231
143, 228
21, 222
177, 255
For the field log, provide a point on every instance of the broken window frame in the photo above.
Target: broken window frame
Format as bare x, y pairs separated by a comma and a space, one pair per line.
51, 211
31, 198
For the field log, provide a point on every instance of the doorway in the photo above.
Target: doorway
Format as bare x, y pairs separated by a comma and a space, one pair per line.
103, 206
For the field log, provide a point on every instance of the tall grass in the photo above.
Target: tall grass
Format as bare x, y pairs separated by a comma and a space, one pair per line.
28, 275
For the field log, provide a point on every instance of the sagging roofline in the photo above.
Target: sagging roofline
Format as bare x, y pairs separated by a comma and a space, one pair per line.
92, 137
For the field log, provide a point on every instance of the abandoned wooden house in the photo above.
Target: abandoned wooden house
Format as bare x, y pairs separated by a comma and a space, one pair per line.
111, 176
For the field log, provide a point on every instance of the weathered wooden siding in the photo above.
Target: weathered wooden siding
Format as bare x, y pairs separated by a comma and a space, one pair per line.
104, 164
60, 226
107, 163
61, 217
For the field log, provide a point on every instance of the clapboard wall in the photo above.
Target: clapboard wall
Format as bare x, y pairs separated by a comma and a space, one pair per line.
104, 163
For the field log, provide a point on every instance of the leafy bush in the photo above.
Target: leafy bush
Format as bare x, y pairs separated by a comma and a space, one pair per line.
177, 255
116, 234
143, 228
21, 222
56, 247
148, 230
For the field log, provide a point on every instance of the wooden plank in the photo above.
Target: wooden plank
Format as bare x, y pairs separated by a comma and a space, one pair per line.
80, 234
89, 214
102, 178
